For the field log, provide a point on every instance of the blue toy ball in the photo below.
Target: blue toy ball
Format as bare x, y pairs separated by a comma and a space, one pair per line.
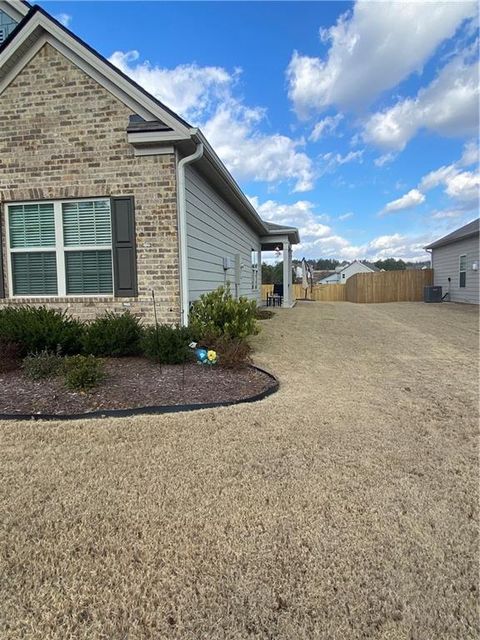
202, 355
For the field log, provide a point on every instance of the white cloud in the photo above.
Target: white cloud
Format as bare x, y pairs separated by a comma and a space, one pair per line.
462, 186
325, 126
250, 154
320, 240
386, 158
300, 214
437, 177
346, 216
470, 154
204, 96
330, 161
447, 214
64, 18
448, 106
411, 199
372, 49
190, 90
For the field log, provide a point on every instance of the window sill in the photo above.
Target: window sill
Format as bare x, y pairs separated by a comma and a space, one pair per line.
67, 299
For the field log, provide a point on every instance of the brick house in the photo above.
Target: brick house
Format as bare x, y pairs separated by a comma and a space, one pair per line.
106, 195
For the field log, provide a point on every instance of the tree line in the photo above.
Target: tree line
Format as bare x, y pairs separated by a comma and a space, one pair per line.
273, 273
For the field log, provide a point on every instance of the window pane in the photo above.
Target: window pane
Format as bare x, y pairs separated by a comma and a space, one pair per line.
88, 272
86, 223
463, 278
34, 274
31, 225
463, 263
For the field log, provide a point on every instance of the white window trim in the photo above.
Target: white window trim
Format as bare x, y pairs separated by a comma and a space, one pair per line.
59, 249
254, 252
460, 270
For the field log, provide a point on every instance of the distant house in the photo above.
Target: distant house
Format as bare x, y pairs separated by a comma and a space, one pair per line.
320, 274
455, 263
343, 273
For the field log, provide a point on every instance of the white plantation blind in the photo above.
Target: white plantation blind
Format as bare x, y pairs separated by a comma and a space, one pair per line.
87, 223
31, 225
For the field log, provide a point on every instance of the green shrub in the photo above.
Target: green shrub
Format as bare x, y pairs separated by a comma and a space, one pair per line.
167, 344
232, 353
37, 328
45, 364
219, 314
263, 314
83, 373
9, 356
113, 335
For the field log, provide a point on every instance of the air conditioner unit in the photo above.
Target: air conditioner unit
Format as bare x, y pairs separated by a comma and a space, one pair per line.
432, 294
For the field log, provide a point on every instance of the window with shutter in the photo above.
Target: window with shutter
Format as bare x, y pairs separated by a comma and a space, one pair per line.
60, 248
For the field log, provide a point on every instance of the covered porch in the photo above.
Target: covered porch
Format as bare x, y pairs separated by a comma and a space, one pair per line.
281, 238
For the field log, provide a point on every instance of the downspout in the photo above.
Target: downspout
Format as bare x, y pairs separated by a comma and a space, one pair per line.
182, 231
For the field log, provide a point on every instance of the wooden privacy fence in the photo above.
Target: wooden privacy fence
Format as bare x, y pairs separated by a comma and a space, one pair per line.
389, 286
320, 292
383, 286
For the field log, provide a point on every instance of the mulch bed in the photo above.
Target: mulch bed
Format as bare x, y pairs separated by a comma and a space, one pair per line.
132, 383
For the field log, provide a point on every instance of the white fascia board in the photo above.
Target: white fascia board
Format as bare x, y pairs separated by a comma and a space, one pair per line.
272, 239
96, 68
14, 8
16, 69
154, 150
149, 137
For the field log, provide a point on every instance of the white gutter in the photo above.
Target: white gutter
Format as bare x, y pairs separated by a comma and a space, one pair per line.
182, 232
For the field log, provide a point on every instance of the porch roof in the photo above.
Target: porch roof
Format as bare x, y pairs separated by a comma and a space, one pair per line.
277, 234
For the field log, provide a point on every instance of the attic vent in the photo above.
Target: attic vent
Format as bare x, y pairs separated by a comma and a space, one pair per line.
135, 119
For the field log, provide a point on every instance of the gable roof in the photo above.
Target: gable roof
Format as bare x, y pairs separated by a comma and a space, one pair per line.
369, 266
468, 230
16, 9
332, 274
38, 27
156, 123
363, 263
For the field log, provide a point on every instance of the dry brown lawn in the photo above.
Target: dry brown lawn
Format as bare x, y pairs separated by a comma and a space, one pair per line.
342, 507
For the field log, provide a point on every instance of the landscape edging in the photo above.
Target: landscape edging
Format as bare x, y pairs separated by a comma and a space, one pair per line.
150, 410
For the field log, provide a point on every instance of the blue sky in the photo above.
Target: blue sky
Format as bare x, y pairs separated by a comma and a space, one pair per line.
357, 122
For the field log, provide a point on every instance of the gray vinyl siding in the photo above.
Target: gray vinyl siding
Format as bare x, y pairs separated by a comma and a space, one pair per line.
445, 263
214, 231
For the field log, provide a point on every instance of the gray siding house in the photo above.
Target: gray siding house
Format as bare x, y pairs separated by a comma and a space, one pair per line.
106, 194
456, 263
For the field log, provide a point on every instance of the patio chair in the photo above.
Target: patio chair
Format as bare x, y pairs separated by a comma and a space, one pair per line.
276, 297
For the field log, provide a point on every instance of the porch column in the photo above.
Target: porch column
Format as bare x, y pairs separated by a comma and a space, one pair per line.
290, 269
287, 274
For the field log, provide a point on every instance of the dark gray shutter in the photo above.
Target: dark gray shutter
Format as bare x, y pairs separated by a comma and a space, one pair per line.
123, 245
2, 284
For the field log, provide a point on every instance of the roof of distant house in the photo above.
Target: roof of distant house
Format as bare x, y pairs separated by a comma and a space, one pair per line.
470, 229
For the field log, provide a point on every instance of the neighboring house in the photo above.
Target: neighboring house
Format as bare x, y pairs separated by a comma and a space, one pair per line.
455, 263
106, 194
343, 273
319, 275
